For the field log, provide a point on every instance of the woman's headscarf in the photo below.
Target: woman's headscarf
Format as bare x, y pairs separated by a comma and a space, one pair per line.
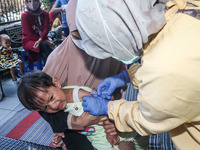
72, 66
37, 11
117, 28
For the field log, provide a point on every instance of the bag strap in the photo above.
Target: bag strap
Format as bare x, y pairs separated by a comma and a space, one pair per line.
174, 6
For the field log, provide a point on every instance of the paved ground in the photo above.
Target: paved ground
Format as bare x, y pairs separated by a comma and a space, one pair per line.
10, 103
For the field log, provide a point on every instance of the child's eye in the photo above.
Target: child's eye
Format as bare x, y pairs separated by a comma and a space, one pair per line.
45, 108
51, 98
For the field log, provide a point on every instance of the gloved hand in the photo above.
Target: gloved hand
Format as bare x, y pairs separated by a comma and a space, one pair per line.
108, 86
95, 105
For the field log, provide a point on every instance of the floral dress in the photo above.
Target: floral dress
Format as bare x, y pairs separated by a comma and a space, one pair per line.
8, 61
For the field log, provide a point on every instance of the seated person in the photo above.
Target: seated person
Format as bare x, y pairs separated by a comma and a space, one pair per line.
52, 16
35, 28
38, 91
8, 61
57, 25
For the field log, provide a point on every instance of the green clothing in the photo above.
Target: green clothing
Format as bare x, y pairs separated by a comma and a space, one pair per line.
98, 136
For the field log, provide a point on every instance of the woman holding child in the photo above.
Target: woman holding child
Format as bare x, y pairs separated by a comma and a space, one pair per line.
72, 66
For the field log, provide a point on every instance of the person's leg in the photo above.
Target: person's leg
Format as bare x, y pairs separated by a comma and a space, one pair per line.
66, 31
45, 50
21, 68
12, 72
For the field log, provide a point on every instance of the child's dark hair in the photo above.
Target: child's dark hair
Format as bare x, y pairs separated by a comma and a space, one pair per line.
57, 13
29, 85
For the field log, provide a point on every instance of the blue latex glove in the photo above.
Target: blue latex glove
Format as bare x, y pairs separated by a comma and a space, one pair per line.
95, 105
108, 86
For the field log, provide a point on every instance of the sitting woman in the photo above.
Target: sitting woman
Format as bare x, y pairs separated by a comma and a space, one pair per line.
36, 26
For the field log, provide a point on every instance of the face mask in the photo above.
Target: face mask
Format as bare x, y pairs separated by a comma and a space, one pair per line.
33, 5
78, 43
133, 60
109, 35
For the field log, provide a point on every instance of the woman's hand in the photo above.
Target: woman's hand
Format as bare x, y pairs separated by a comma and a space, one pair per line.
57, 140
90, 119
37, 43
96, 106
110, 84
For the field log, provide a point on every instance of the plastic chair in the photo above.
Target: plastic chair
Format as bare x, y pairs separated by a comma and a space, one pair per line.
27, 65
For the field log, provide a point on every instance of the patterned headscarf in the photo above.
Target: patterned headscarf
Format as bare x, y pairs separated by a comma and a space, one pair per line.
117, 28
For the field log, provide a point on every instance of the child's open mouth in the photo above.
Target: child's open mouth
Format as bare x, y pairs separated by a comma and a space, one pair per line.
60, 106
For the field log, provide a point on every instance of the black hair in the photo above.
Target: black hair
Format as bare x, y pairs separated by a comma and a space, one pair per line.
57, 13
29, 85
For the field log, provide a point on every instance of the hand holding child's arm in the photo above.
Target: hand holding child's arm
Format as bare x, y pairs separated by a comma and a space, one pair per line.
85, 120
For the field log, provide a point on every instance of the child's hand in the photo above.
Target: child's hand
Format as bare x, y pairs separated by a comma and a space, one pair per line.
57, 140
109, 127
111, 132
112, 139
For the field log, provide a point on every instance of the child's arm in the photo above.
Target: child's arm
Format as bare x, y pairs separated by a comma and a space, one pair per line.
85, 120
111, 132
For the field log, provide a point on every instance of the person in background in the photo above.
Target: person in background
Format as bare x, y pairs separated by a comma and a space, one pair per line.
168, 76
60, 6
35, 28
57, 21
52, 16
7, 60
57, 25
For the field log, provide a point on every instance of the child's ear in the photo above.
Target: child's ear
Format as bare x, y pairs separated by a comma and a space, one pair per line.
56, 82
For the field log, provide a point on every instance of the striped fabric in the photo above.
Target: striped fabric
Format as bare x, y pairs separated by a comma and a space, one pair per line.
156, 142
28, 126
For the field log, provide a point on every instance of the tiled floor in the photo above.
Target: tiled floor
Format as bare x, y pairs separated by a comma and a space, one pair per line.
10, 103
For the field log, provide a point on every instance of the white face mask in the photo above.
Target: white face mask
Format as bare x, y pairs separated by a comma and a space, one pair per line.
33, 5
78, 43
131, 61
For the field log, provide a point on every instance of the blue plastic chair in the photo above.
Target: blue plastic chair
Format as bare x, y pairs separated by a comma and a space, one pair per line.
29, 66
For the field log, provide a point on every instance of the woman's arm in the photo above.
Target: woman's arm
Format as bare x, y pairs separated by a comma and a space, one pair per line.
56, 9
26, 23
46, 26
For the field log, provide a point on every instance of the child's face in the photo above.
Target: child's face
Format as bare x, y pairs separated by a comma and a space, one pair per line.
54, 99
5, 42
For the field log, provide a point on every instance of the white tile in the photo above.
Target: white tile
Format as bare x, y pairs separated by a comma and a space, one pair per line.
10, 90
19, 107
9, 103
5, 115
